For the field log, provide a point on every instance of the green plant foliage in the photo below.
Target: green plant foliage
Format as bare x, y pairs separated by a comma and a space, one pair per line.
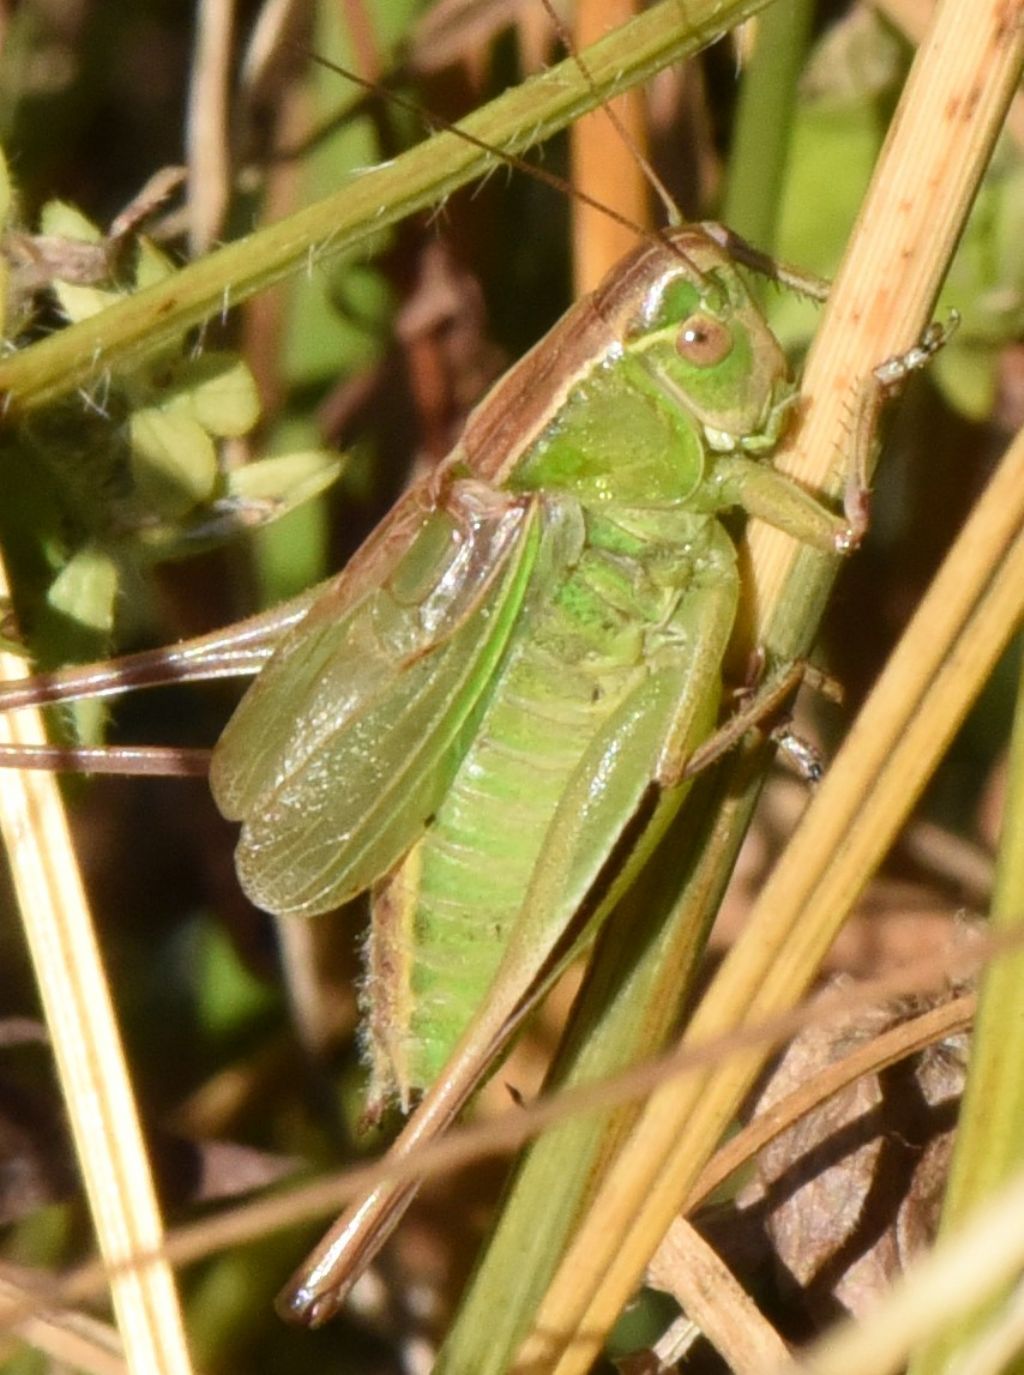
135, 472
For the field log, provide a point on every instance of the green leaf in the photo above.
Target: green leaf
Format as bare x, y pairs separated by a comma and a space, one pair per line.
967, 377
174, 461
286, 481
67, 222
85, 588
152, 265
84, 593
78, 302
218, 392
230, 997
256, 495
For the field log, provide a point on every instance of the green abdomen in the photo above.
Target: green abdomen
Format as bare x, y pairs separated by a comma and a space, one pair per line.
441, 921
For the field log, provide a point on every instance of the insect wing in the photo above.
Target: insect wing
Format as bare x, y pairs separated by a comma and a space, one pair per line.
347, 741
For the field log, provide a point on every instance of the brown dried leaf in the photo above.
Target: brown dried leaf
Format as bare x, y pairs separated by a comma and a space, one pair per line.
852, 1190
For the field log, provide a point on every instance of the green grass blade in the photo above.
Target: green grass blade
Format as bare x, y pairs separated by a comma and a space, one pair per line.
990, 1138
764, 121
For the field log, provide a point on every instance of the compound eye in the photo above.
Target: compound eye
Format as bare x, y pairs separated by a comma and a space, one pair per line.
703, 341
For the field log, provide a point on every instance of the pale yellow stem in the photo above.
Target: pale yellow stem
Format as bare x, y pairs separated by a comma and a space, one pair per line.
88, 1053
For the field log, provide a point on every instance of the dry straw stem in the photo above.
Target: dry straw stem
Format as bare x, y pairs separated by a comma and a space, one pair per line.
716, 1303
937, 148
997, 1348
88, 1053
71, 1340
912, 18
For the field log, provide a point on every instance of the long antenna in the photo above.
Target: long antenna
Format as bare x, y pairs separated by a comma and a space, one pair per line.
672, 210
439, 123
